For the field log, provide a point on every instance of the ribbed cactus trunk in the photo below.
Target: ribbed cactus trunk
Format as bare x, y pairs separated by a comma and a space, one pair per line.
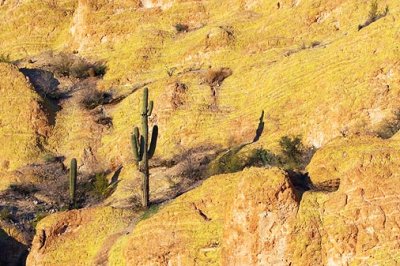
72, 182
145, 161
143, 151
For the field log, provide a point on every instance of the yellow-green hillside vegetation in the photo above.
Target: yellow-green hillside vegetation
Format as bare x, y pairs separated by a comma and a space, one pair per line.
325, 71
304, 63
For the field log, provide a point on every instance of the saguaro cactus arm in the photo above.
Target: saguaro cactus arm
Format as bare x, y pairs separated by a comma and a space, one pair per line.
153, 142
135, 148
72, 181
150, 108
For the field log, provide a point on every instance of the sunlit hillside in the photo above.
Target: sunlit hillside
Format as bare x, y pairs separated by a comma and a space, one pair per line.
274, 120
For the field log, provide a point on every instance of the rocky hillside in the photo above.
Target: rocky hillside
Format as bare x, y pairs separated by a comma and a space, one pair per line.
277, 123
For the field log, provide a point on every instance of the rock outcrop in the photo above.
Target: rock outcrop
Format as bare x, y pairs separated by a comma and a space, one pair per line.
76, 237
256, 217
257, 228
359, 223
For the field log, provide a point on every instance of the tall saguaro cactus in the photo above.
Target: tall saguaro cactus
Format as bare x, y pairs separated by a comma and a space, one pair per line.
143, 151
72, 182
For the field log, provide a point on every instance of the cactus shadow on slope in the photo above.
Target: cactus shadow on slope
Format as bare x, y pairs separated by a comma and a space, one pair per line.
12, 252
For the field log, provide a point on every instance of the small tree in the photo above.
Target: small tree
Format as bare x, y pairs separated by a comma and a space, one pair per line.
292, 152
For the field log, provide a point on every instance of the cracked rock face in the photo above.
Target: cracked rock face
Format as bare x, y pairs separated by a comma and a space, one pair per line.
258, 226
359, 223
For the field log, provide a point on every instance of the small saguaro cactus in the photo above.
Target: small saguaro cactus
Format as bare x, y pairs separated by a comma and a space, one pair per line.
72, 182
143, 151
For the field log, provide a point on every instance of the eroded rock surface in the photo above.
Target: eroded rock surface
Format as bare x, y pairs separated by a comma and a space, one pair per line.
256, 217
359, 223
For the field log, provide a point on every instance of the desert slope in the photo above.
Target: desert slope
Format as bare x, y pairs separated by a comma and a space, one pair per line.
323, 71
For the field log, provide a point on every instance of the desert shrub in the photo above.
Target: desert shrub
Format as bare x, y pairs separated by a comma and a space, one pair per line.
49, 158
230, 162
94, 98
5, 58
390, 128
373, 11
262, 157
5, 214
179, 27
153, 209
374, 14
136, 203
39, 215
100, 185
23, 189
68, 65
294, 155
292, 151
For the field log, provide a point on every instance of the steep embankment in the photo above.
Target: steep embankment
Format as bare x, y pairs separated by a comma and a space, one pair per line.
255, 218
23, 123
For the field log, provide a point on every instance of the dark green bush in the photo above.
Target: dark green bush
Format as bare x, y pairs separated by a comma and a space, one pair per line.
49, 158
374, 14
5, 214
100, 185
229, 162
23, 189
181, 27
390, 127
265, 158
5, 58
94, 98
292, 152
69, 65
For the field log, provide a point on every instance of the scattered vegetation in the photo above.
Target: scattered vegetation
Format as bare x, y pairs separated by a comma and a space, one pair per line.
265, 158
49, 158
179, 27
68, 65
374, 14
390, 128
153, 209
293, 157
23, 189
178, 95
5, 214
39, 215
143, 150
230, 162
5, 58
100, 186
292, 152
96, 98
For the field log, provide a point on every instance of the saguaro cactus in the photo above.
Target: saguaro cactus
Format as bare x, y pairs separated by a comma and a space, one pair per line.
72, 182
143, 151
